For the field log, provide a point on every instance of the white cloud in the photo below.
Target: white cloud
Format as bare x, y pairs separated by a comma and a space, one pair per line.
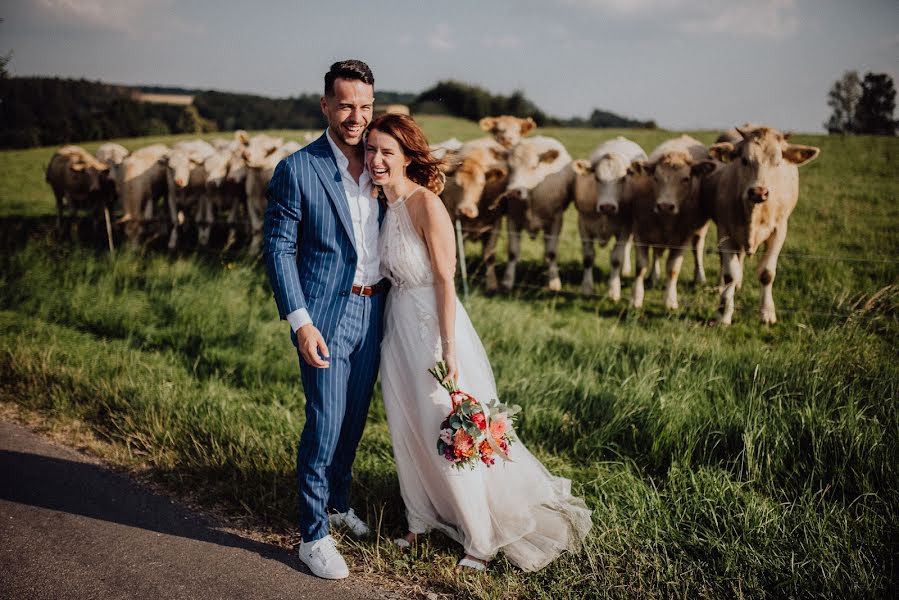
442, 38
506, 42
764, 18
131, 17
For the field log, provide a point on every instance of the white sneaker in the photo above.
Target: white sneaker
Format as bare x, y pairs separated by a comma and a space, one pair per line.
323, 558
349, 520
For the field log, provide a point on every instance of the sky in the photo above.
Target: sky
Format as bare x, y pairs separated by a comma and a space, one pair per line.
687, 64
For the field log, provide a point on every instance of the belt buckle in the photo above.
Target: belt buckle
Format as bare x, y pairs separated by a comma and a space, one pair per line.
365, 290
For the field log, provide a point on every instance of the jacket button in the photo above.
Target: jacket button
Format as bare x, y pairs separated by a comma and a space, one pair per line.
344, 293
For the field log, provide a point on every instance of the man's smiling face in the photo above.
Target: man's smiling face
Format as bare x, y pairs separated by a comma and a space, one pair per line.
348, 110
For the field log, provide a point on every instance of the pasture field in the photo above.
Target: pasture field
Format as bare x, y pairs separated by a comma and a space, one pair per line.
740, 462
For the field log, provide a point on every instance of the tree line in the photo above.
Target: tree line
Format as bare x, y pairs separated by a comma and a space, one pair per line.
862, 106
43, 111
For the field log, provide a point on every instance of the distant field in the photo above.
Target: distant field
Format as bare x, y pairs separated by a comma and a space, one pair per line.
746, 462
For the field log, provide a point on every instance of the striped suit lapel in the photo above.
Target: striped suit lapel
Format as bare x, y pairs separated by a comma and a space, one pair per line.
325, 165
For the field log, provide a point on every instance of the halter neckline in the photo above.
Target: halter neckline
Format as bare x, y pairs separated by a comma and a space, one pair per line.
402, 199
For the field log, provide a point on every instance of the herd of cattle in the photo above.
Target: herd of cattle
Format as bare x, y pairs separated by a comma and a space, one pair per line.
747, 183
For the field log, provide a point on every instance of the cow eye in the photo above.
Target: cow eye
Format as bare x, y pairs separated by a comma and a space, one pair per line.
745, 161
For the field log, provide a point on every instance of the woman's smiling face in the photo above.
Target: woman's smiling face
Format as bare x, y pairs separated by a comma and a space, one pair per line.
385, 158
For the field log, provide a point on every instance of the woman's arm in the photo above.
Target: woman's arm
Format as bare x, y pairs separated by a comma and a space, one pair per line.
433, 223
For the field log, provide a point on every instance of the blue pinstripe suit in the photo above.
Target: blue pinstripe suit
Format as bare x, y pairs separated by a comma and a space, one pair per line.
310, 257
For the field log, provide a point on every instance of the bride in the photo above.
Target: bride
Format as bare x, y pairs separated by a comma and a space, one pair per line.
516, 507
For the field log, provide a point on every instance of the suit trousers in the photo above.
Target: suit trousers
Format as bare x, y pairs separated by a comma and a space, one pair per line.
337, 401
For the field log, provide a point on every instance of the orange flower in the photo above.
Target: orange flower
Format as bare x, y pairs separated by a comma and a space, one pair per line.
485, 448
498, 427
462, 441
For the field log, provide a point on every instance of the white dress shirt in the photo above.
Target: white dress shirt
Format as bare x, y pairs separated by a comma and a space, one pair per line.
364, 215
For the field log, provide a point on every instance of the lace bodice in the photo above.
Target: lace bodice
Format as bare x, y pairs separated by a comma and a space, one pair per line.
404, 255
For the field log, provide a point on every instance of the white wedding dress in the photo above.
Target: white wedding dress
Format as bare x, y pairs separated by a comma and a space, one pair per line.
515, 507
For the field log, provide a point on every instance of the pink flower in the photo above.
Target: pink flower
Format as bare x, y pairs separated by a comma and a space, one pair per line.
480, 420
498, 427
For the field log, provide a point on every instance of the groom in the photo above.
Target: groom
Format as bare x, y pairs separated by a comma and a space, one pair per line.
321, 254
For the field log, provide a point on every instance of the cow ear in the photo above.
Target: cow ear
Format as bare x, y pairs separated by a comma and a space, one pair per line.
78, 167
581, 166
242, 136
496, 174
487, 123
799, 155
743, 130
527, 125
639, 168
703, 168
549, 156
722, 151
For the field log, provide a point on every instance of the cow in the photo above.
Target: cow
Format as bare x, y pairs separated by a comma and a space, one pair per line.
507, 130
474, 181
671, 215
540, 188
603, 196
186, 179
141, 184
751, 198
221, 195
258, 176
77, 179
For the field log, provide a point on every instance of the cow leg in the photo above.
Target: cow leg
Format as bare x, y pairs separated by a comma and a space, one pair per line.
173, 219
488, 252
626, 268
655, 271
642, 268
513, 230
732, 271
588, 250
551, 237
204, 219
675, 261
620, 252
698, 250
255, 226
768, 269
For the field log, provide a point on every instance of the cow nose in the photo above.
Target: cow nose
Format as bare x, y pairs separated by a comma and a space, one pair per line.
608, 209
179, 182
758, 194
667, 207
470, 212
515, 194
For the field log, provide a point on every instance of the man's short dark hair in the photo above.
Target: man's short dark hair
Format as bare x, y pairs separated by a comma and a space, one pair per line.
348, 69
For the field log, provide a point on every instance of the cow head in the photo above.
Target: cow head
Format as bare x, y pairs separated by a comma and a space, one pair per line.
259, 149
507, 130
610, 172
758, 157
180, 167
676, 177
530, 162
473, 175
89, 174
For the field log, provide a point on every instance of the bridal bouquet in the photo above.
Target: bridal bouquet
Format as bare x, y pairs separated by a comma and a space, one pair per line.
467, 434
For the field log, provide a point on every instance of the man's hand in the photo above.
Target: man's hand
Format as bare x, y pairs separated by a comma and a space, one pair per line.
310, 342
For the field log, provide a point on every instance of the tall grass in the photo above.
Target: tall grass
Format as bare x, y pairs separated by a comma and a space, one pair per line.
745, 462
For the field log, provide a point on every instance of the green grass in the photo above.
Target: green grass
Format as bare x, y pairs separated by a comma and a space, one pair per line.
742, 462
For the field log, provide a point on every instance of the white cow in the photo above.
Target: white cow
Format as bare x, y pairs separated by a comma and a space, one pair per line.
541, 180
603, 198
141, 184
258, 176
186, 183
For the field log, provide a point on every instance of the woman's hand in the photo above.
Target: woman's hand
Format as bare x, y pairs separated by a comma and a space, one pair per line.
452, 369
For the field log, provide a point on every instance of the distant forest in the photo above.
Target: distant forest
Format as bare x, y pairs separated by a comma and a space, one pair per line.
39, 111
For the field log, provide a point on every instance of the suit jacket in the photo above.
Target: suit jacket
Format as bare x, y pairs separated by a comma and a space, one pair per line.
309, 248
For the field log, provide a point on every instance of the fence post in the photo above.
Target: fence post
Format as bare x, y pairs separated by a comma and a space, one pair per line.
461, 245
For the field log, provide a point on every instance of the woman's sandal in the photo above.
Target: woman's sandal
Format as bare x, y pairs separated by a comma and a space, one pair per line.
470, 563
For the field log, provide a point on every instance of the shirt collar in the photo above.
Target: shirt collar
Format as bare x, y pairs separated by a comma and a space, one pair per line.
343, 163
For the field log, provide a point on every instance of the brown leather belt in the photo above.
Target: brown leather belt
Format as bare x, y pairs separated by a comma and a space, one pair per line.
367, 290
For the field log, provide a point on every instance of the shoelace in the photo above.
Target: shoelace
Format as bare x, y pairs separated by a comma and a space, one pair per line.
353, 521
327, 549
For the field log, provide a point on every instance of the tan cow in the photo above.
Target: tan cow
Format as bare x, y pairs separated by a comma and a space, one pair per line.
141, 185
750, 199
474, 181
507, 130
77, 179
672, 216
259, 174
603, 197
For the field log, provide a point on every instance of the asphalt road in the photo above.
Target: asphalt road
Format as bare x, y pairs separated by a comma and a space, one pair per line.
71, 528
